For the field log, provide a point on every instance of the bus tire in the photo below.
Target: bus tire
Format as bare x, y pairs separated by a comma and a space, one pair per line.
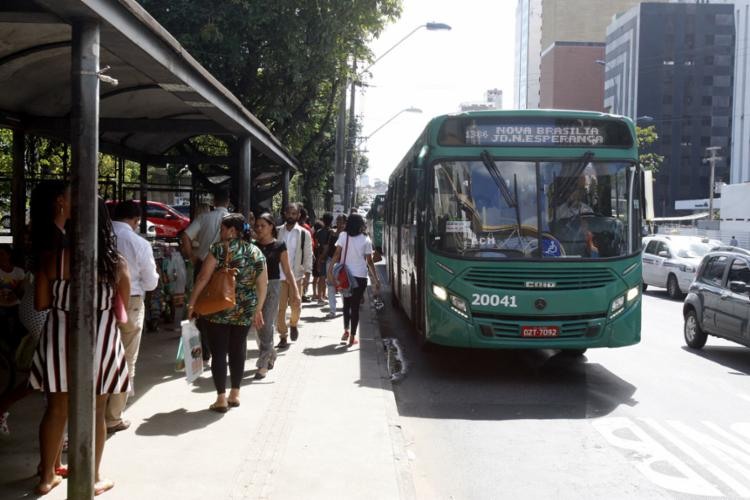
574, 353
644, 286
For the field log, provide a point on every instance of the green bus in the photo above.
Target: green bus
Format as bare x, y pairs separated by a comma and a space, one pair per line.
519, 229
375, 221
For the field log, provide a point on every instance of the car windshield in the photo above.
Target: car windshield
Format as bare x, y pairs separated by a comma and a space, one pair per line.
500, 209
693, 250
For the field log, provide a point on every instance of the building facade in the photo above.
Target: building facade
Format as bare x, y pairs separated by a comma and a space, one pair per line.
672, 66
493, 99
542, 23
571, 77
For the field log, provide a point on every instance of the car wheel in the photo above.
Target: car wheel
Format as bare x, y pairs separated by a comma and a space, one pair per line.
695, 337
673, 288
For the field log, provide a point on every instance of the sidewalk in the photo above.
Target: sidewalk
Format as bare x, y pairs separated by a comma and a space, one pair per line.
323, 424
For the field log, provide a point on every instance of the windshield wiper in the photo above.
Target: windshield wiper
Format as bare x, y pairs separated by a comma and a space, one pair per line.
510, 199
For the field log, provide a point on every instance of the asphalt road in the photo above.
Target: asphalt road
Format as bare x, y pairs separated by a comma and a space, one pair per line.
654, 420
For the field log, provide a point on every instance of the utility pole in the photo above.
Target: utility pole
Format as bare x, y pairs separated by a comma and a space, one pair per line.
712, 161
339, 184
350, 142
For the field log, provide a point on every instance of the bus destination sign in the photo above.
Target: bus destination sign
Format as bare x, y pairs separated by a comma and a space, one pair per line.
534, 135
534, 132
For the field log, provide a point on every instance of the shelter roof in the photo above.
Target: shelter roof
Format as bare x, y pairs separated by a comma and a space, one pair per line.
163, 97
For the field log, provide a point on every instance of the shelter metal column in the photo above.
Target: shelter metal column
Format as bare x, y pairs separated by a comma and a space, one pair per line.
83, 272
144, 196
18, 192
285, 188
244, 176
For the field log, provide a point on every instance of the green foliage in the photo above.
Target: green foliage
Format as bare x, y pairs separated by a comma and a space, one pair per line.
286, 60
647, 137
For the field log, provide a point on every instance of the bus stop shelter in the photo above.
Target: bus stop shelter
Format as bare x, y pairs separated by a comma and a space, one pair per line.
106, 77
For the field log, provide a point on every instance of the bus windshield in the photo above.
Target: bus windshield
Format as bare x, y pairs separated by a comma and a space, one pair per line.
531, 209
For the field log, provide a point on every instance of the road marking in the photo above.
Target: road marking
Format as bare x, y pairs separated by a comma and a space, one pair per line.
700, 459
650, 457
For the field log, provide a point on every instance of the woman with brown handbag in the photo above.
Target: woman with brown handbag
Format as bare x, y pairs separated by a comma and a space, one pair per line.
228, 328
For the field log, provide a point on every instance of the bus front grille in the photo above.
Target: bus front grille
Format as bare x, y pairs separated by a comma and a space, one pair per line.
587, 326
530, 278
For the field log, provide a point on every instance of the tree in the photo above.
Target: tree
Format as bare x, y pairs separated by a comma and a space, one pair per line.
646, 137
286, 60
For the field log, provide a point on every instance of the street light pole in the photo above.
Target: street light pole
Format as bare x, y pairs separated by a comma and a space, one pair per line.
711, 160
344, 177
405, 110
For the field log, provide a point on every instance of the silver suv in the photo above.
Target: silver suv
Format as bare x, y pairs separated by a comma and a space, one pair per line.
671, 261
718, 302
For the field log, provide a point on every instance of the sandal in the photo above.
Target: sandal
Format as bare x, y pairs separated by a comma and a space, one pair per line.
43, 489
233, 403
219, 408
353, 341
102, 486
345, 336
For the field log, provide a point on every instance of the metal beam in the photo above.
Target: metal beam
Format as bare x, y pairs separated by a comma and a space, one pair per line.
83, 271
285, 188
244, 175
128, 125
18, 192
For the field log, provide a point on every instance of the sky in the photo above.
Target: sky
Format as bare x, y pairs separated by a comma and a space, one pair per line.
434, 71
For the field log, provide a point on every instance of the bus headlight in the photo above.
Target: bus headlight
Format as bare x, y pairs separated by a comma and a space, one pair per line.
633, 293
617, 304
458, 303
439, 292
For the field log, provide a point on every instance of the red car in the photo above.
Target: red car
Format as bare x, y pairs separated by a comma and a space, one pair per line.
167, 221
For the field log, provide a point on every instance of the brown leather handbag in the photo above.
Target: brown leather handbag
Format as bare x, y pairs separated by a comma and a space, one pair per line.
220, 292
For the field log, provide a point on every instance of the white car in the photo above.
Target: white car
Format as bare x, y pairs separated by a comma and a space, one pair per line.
671, 261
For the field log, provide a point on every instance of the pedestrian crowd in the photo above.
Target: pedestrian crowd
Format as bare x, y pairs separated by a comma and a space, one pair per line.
272, 265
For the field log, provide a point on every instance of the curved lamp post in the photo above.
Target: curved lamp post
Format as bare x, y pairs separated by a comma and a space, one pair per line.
405, 110
348, 148
428, 26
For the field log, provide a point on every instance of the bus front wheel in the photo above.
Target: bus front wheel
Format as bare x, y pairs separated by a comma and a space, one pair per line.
574, 353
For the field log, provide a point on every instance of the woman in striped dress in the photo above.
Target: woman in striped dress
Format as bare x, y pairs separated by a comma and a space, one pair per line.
50, 372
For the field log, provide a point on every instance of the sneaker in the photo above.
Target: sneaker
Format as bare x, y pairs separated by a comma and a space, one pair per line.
353, 340
331, 315
283, 343
345, 336
305, 298
4, 430
293, 333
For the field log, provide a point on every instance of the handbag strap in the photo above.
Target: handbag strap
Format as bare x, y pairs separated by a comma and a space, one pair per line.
346, 247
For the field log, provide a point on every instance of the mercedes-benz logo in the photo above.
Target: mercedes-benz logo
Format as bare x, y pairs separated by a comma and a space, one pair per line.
540, 304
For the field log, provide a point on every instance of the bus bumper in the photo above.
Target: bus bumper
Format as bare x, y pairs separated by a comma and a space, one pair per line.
447, 327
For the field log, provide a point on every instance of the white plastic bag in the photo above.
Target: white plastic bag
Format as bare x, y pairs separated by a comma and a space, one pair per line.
191, 347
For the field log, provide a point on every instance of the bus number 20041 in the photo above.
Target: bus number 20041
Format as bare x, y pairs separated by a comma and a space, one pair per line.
484, 299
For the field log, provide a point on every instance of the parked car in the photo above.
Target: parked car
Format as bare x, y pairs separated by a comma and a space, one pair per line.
718, 302
182, 209
167, 221
671, 261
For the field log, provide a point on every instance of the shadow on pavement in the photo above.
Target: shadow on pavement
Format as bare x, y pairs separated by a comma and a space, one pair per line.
177, 422
475, 384
326, 350
737, 358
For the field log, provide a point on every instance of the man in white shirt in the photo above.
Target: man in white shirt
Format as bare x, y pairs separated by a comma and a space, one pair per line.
205, 231
299, 249
144, 277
